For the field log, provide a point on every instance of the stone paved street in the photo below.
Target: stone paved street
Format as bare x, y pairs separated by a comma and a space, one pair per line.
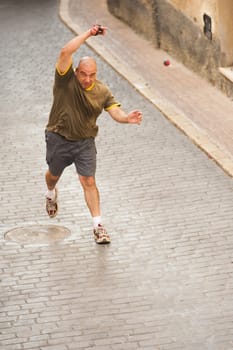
166, 280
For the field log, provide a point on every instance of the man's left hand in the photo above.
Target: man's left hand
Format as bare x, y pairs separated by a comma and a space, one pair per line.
135, 117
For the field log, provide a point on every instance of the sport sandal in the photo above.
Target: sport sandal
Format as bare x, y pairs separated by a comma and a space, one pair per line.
100, 235
51, 206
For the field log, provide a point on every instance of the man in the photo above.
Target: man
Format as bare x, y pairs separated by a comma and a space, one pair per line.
79, 98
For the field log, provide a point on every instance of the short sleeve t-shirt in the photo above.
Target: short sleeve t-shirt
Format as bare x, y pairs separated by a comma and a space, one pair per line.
75, 110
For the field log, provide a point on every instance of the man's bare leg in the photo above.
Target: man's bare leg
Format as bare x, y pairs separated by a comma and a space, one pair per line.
92, 198
51, 180
91, 194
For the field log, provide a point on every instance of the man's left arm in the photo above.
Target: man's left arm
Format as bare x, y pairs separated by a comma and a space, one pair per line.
134, 117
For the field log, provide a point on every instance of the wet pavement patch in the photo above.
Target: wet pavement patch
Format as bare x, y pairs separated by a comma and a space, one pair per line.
37, 234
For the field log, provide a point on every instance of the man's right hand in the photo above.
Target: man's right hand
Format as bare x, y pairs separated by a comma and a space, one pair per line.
98, 29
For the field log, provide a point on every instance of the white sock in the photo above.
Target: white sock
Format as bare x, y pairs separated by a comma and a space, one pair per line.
96, 221
51, 194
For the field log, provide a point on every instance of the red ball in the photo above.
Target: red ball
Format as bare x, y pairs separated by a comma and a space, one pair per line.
166, 63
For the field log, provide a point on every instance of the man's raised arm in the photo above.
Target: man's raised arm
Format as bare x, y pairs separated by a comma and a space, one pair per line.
65, 56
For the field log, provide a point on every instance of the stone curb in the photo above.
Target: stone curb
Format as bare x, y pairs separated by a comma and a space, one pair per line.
198, 136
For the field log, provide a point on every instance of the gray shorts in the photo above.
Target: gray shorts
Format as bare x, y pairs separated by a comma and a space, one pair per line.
61, 153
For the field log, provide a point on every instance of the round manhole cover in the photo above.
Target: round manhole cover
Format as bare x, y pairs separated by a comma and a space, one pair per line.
37, 234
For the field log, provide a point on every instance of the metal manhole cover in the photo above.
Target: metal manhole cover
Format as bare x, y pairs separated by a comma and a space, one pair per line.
37, 234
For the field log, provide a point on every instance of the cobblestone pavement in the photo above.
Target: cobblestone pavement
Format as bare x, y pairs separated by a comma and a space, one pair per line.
166, 281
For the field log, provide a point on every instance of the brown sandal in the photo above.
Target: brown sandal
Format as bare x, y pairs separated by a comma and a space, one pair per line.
100, 235
51, 206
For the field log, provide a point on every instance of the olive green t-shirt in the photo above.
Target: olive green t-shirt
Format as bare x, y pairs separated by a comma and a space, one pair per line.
75, 110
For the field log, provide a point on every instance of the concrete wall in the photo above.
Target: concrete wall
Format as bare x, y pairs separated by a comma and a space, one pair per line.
176, 26
225, 30
221, 12
137, 13
194, 9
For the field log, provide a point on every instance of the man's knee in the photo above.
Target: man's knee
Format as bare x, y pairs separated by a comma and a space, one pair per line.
87, 181
51, 177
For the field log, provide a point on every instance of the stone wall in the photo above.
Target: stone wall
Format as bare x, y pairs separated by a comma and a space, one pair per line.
170, 29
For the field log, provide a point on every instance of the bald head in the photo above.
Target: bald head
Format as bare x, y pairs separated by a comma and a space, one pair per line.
87, 62
86, 72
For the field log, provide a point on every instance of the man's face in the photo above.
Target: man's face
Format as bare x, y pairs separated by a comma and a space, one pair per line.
86, 73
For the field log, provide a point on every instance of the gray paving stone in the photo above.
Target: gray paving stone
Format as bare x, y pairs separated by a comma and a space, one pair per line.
166, 281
